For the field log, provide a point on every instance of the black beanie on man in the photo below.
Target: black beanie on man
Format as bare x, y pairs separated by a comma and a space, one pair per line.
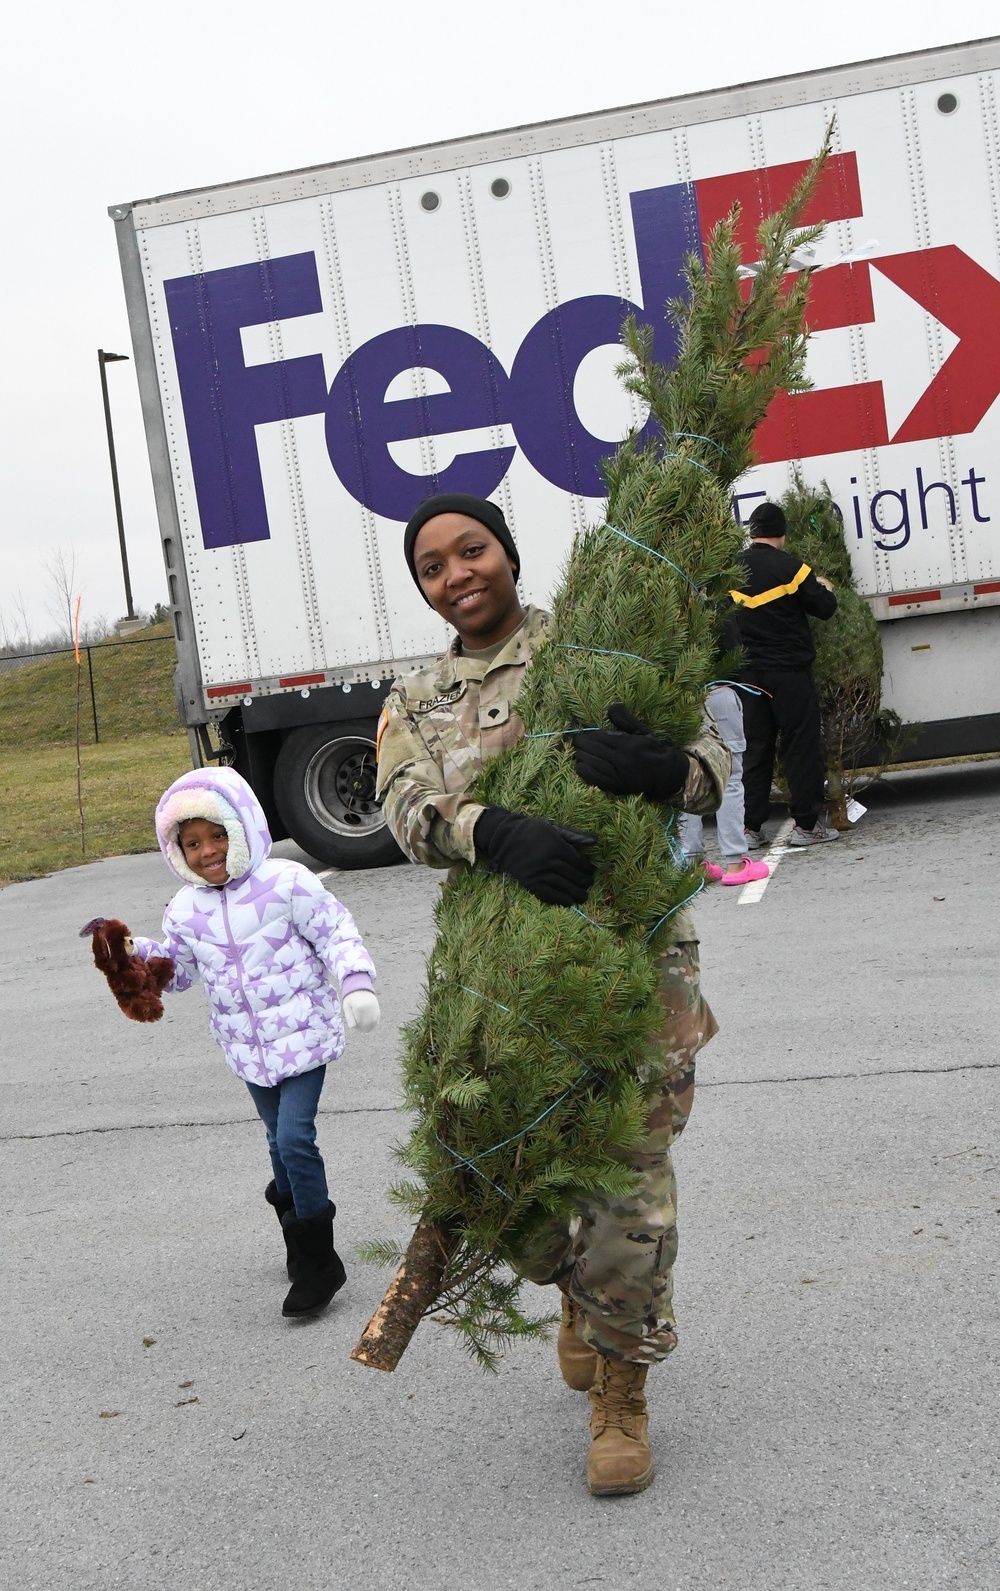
477, 508
768, 520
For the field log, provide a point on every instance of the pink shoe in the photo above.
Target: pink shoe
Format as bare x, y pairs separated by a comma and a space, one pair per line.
747, 873
712, 873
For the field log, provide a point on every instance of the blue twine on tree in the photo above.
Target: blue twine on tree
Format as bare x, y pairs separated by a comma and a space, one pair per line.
524, 1021
685, 902
505, 1141
472, 1167
738, 685
662, 556
684, 457
696, 436
607, 929
675, 850
586, 1071
605, 651
588, 729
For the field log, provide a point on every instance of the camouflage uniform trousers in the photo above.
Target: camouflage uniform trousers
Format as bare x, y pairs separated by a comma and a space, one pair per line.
615, 1258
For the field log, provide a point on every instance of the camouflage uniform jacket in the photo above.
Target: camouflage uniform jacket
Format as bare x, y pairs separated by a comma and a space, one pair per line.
440, 724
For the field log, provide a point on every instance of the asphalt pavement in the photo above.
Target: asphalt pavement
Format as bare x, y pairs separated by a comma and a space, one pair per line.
829, 1419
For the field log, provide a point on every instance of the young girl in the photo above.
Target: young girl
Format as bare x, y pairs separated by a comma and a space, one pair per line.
725, 707
267, 941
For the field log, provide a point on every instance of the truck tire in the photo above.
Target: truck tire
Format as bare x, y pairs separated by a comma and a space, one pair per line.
324, 789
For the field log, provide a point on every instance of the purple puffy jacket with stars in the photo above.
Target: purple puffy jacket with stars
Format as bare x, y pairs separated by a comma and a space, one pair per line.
269, 945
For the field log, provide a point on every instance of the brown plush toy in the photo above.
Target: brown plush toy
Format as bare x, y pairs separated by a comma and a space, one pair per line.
135, 984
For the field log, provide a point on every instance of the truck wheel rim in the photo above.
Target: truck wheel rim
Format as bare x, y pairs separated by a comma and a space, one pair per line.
339, 787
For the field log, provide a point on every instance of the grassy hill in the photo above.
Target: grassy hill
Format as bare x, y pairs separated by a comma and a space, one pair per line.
133, 692
142, 748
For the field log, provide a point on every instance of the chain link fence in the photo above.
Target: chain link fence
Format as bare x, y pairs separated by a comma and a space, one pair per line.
125, 689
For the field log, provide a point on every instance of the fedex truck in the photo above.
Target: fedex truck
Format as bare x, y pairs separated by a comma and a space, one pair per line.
320, 350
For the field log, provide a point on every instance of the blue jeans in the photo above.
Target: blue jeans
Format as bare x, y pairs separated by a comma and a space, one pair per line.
288, 1111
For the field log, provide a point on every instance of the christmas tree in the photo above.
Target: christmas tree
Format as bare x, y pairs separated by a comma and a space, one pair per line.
529, 1067
848, 667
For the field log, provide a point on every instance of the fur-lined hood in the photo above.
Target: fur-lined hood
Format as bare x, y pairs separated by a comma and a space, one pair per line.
221, 796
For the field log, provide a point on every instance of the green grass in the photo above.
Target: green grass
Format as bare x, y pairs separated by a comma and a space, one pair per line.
122, 782
133, 690
141, 750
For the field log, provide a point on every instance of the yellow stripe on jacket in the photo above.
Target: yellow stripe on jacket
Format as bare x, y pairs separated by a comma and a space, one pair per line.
775, 591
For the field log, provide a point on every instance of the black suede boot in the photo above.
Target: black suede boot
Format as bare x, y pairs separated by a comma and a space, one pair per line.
282, 1204
319, 1270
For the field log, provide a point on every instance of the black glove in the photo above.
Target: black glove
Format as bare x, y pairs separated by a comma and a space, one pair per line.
630, 759
544, 857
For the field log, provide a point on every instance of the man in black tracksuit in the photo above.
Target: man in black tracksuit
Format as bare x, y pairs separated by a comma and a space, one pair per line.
771, 612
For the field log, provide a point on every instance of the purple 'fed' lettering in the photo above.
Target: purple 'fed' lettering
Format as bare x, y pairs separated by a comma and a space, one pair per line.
360, 423
224, 398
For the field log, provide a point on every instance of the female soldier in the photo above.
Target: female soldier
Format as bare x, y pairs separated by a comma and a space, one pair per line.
614, 1260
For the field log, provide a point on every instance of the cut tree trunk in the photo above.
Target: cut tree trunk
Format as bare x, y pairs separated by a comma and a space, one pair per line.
836, 785
837, 799
412, 1292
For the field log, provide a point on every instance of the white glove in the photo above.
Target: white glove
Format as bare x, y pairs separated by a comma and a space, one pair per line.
361, 1010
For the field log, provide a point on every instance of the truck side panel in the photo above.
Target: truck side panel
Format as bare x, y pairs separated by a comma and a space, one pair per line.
330, 347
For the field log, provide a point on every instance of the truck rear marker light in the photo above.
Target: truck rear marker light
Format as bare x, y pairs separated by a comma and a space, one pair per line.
227, 690
302, 679
906, 598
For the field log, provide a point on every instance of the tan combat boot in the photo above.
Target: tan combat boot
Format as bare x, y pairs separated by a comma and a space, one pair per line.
620, 1460
578, 1363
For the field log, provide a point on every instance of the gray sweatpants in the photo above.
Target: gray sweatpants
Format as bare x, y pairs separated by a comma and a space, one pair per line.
725, 707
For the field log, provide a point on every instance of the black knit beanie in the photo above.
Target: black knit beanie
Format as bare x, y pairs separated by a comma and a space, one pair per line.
767, 519
477, 508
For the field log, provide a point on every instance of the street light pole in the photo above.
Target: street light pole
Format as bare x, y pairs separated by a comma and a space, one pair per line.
102, 360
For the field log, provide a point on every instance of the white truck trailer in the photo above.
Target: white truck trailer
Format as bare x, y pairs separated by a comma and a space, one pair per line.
319, 351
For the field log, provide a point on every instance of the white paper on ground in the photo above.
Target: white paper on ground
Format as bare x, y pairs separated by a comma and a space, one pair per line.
855, 810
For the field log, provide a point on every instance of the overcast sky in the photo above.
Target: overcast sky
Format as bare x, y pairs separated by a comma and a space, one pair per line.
115, 101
